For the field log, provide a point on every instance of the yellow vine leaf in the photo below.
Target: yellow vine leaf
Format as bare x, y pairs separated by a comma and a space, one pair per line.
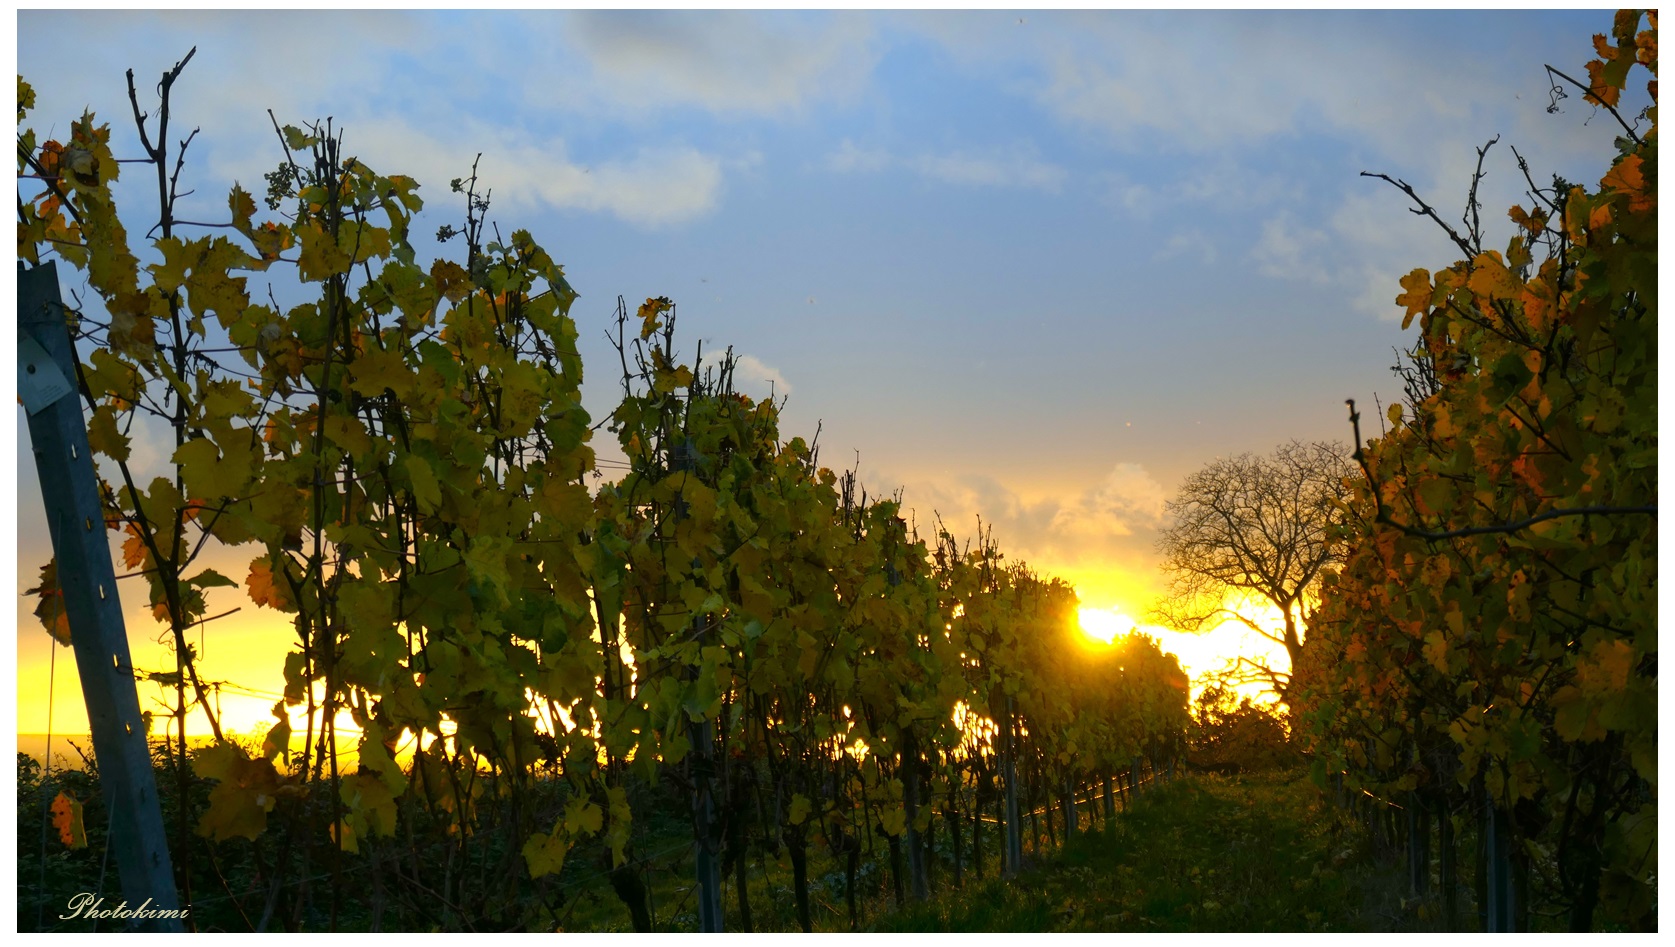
25, 98
321, 257
243, 207
50, 608
277, 742
1628, 177
371, 805
582, 817
66, 818
1600, 89
1532, 223
450, 279
1436, 651
264, 590
244, 794
1491, 279
104, 436
893, 821
650, 312
378, 369
426, 490
134, 553
271, 240
622, 821
344, 834
1418, 296
800, 808
346, 433
199, 464
544, 854
1605, 669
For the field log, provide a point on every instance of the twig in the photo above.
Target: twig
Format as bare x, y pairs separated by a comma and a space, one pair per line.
1557, 93
1424, 210
1383, 515
1470, 217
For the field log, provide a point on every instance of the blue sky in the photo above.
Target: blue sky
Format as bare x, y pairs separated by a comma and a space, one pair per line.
1034, 266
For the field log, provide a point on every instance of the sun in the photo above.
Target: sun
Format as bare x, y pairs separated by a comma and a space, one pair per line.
1201, 654
1103, 625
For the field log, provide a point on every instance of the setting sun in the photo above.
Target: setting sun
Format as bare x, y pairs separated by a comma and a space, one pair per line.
1104, 625
1202, 654
1100, 508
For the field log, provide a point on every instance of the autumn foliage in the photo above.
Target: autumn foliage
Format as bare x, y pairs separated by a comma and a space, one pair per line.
1490, 644
404, 459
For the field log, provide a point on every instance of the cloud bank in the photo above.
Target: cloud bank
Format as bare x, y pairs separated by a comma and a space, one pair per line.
1018, 167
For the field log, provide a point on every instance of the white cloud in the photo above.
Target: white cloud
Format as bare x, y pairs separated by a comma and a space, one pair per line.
1218, 182
1137, 200
656, 187
960, 501
1019, 166
1193, 244
761, 380
1202, 83
1290, 250
1379, 242
1114, 518
1126, 501
364, 70
735, 61
851, 158
1374, 292
1010, 170
653, 187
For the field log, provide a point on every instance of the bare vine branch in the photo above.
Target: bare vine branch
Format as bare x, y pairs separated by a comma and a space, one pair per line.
1424, 210
1382, 514
1557, 93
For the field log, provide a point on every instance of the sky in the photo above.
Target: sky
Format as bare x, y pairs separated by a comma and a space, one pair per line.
1037, 267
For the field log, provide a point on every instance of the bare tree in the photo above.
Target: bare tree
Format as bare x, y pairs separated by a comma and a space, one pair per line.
1258, 524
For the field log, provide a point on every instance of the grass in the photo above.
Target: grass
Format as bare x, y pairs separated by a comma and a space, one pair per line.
1257, 852
1203, 853
1206, 853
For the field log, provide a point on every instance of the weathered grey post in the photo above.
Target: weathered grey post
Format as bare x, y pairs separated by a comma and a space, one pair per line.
1014, 823
1069, 806
701, 762
76, 521
1502, 908
1418, 846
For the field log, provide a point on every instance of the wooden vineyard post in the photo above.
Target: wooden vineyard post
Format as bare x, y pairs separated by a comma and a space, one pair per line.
916, 867
1069, 809
1014, 828
1447, 871
701, 762
707, 866
76, 522
1418, 846
1501, 906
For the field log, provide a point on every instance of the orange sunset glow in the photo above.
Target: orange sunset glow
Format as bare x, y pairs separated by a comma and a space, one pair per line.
242, 652
1203, 654
873, 471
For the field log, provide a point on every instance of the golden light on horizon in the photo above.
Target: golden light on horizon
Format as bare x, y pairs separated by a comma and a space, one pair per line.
1104, 625
1204, 654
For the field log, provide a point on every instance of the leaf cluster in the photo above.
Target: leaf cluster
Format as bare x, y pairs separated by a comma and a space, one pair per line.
1493, 630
